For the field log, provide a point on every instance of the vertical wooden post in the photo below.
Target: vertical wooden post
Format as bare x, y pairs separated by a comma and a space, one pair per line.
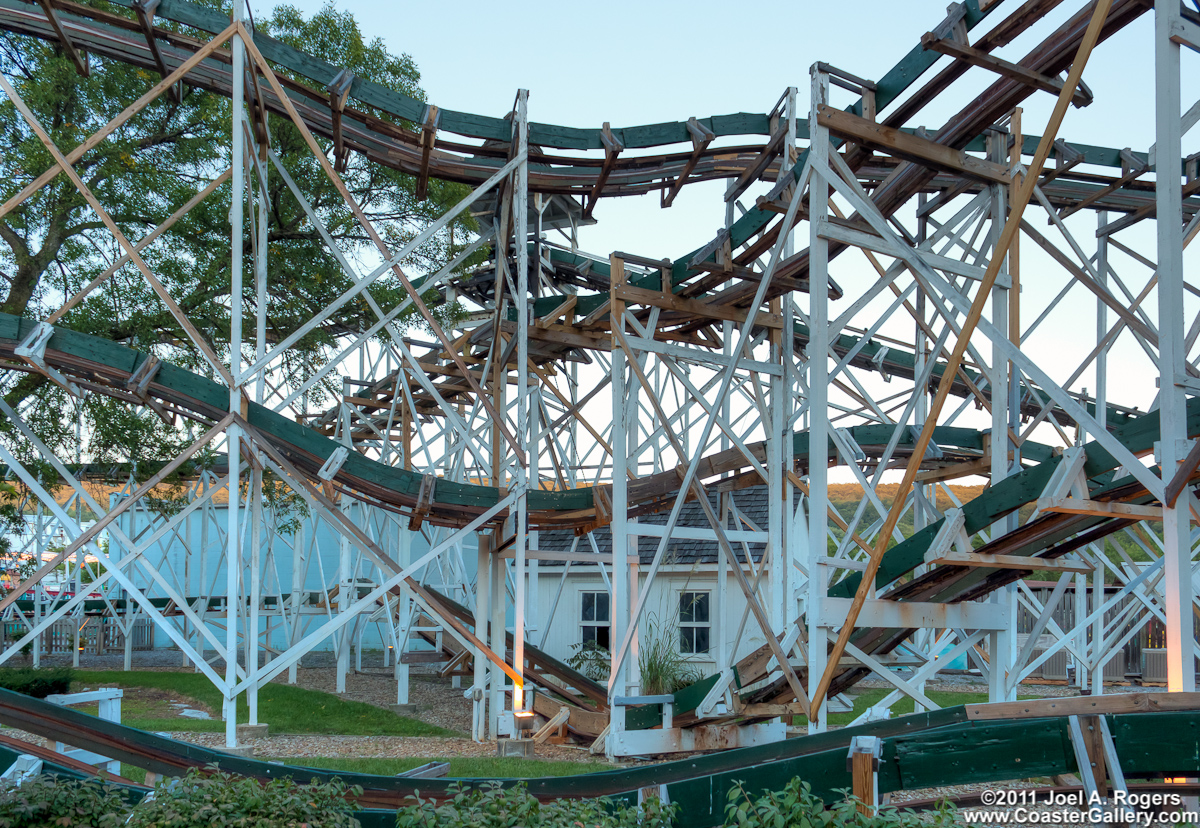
862, 762
1093, 739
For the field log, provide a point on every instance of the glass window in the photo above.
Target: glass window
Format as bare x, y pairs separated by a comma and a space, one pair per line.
594, 618
694, 624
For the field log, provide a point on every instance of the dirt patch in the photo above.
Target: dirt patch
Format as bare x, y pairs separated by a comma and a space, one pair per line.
149, 703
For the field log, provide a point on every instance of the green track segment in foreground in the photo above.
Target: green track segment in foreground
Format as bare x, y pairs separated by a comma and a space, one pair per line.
933, 749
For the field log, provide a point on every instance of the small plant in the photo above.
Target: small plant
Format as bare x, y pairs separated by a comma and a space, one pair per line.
493, 806
662, 667
797, 807
39, 683
212, 799
70, 803
591, 659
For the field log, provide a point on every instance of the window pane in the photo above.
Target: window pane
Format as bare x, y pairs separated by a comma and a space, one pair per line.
602, 639
685, 640
589, 635
686, 608
700, 607
701, 634
602, 606
589, 606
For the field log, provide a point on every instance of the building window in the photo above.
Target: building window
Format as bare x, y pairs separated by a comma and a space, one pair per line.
595, 619
694, 624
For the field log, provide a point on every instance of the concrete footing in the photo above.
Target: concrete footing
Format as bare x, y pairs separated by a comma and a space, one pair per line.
403, 709
520, 748
253, 731
240, 750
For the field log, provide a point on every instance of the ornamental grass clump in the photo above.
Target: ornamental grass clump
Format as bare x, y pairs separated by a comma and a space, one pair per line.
663, 669
494, 806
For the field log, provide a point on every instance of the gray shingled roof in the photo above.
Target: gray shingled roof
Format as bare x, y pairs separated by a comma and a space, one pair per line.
751, 502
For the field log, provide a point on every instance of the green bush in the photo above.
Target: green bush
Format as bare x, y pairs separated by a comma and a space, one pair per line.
68, 803
220, 800
796, 807
39, 683
590, 659
495, 807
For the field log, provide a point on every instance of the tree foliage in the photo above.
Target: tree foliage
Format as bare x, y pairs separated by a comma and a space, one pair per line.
53, 244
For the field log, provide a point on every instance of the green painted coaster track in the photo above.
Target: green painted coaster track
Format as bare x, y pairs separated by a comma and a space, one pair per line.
1155, 736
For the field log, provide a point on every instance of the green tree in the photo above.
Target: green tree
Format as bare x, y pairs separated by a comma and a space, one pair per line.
53, 243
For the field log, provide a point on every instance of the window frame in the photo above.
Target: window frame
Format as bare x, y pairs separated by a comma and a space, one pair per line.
595, 623
693, 624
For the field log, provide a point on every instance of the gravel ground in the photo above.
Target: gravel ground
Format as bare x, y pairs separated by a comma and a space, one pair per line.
438, 703
379, 747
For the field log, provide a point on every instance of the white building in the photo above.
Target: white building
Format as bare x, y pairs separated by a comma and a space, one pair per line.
695, 600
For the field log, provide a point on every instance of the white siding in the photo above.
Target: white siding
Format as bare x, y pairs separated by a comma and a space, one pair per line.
662, 610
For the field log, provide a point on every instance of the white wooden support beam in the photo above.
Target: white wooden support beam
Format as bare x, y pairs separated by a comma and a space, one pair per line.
556, 721
834, 230
1186, 32
32, 351
715, 695
916, 614
333, 463
948, 536
25, 766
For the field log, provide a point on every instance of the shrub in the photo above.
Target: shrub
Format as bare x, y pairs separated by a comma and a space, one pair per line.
39, 683
592, 660
69, 803
220, 800
796, 807
495, 807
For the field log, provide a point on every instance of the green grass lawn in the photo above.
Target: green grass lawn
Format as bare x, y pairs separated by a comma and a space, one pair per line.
285, 708
867, 697
460, 768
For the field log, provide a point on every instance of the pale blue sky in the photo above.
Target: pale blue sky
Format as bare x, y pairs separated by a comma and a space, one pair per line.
633, 63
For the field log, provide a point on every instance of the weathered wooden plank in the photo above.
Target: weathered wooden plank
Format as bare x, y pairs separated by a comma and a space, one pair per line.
902, 144
1084, 706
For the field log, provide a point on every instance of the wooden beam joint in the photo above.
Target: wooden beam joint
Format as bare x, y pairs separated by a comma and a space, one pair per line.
77, 56
428, 136
339, 92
